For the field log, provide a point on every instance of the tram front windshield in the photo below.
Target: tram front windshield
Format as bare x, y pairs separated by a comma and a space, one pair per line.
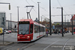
23, 28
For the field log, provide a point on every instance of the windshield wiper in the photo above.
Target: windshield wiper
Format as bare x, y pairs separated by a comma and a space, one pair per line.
26, 31
21, 32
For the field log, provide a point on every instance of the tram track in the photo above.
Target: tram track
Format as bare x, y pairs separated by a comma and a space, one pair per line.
27, 46
8, 46
17, 46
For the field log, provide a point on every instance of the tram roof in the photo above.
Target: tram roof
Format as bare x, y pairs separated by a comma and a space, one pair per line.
31, 22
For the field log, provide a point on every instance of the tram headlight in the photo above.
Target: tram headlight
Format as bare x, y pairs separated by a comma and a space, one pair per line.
28, 37
18, 37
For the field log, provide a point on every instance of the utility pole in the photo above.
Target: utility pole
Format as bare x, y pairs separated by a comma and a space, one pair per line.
72, 25
68, 24
62, 20
38, 12
11, 20
65, 20
50, 15
18, 13
39, 17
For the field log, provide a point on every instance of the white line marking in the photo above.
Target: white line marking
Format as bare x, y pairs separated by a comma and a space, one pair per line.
51, 44
65, 44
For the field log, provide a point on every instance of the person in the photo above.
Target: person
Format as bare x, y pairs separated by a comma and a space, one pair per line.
59, 31
46, 32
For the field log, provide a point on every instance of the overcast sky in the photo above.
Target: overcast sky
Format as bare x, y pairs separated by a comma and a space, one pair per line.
68, 6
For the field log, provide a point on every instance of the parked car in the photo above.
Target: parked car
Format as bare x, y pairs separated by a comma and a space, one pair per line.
14, 30
7, 32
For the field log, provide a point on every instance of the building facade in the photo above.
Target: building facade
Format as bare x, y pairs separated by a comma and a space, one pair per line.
11, 25
60, 23
73, 18
2, 19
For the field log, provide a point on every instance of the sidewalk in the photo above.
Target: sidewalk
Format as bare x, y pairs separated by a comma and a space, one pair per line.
5, 43
55, 37
60, 35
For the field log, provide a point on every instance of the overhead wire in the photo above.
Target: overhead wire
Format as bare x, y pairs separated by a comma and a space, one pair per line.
61, 6
34, 2
27, 2
40, 6
34, 10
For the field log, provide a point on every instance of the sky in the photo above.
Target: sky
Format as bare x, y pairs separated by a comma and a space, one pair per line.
68, 6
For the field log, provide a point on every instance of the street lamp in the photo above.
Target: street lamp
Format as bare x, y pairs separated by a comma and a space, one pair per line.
4, 24
6, 3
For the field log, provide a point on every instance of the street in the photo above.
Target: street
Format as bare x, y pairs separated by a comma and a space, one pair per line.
12, 37
54, 42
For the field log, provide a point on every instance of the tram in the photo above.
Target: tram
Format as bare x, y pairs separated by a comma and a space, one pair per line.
28, 30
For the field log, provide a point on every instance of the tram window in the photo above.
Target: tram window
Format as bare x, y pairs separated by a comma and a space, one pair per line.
36, 29
41, 29
23, 28
44, 29
31, 28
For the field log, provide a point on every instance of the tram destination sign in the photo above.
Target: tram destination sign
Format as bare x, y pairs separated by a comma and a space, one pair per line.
24, 22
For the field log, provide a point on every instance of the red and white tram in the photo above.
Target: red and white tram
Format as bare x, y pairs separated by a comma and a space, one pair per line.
28, 30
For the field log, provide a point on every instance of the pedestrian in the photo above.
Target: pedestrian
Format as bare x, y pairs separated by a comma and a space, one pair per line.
58, 31
46, 32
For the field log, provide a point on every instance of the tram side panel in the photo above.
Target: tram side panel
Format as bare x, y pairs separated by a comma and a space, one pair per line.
36, 33
42, 31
